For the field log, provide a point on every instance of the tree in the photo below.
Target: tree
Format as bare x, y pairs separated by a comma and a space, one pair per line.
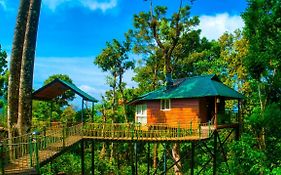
262, 30
3, 77
114, 58
27, 67
15, 66
163, 34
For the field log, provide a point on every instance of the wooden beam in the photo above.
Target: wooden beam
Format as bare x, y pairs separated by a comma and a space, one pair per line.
216, 114
82, 157
192, 158
136, 158
148, 158
93, 157
215, 153
165, 158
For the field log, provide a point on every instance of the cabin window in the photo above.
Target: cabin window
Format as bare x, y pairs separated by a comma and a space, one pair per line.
166, 104
141, 113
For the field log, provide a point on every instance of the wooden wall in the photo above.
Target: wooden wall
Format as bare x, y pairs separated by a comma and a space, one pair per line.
183, 112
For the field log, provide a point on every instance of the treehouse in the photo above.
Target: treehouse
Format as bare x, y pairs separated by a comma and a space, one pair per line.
187, 102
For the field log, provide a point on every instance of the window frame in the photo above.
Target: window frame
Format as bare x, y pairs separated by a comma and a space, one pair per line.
142, 114
164, 102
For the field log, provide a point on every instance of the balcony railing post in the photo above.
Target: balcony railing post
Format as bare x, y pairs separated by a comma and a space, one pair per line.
179, 129
45, 138
191, 128
36, 149
132, 130
199, 127
63, 136
209, 128
30, 149
2, 158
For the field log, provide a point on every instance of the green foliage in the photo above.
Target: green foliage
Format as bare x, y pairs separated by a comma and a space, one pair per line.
68, 115
248, 61
3, 86
247, 157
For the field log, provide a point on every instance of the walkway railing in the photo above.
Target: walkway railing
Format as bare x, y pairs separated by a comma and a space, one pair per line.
29, 151
149, 132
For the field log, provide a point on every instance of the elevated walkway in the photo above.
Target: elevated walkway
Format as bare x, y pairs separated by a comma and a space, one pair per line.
25, 154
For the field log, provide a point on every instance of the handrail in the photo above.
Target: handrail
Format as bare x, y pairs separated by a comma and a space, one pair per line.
29, 150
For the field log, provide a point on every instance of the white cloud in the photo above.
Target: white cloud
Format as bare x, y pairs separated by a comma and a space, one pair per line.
3, 4
53, 4
214, 26
81, 70
102, 5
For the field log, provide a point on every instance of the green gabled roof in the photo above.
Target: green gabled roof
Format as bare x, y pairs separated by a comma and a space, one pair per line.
193, 87
58, 87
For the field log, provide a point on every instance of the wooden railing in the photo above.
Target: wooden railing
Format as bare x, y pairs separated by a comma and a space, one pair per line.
28, 151
136, 131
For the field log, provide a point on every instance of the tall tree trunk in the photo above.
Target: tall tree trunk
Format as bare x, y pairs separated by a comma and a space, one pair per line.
27, 66
123, 97
176, 157
262, 132
155, 155
15, 65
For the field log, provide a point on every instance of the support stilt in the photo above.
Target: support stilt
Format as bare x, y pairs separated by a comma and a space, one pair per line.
93, 157
82, 112
165, 158
192, 158
2, 158
148, 158
215, 153
136, 159
82, 158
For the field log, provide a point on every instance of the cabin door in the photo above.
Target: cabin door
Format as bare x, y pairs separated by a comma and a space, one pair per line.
210, 108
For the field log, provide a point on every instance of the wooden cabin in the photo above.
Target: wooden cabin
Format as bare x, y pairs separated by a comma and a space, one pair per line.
186, 102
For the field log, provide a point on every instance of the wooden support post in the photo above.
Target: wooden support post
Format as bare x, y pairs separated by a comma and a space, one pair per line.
148, 158
93, 111
200, 131
93, 157
215, 153
190, 127
2, 159
45, 139
63, 136
216, 114
238, 129
165, 159
82, 157
136, 159
36, 148
132, 157
51, 116
179, 129
82, 112
192, 158
30, 149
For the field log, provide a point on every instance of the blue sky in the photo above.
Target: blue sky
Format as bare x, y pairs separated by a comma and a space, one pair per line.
73, 32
